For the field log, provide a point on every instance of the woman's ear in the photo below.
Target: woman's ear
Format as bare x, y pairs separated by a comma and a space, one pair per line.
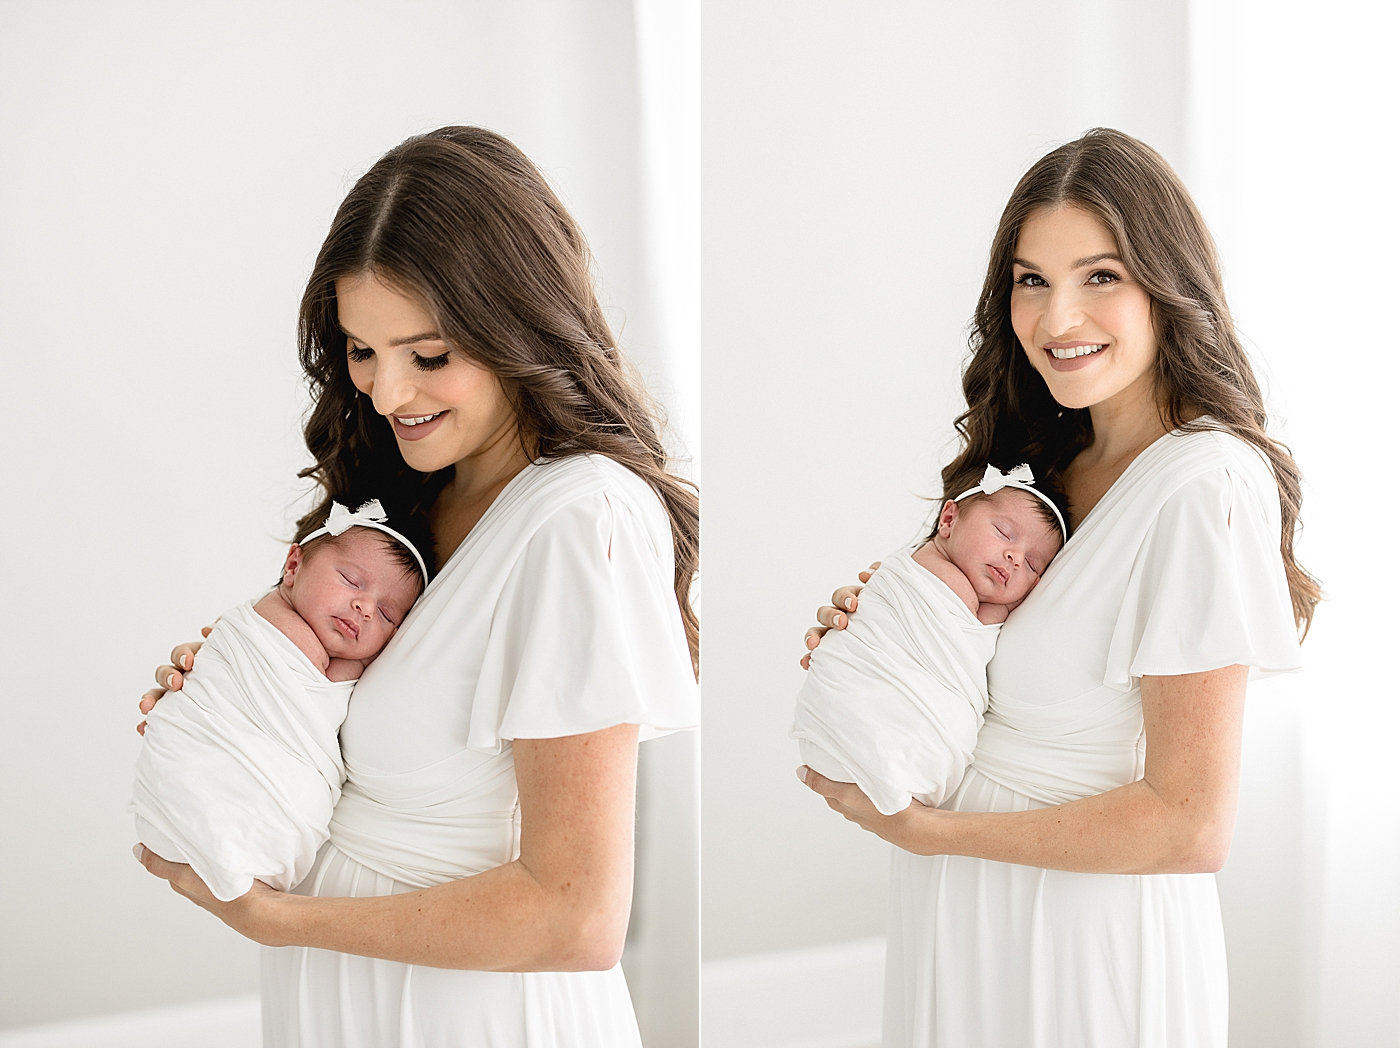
946, 518
295, 556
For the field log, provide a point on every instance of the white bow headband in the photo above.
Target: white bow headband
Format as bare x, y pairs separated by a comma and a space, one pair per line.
370, 515
1021, 478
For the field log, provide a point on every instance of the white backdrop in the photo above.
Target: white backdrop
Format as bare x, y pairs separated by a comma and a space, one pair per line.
170, 170
857, 157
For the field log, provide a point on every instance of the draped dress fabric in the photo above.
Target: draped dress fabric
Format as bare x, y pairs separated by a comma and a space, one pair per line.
1176, 570
556, 616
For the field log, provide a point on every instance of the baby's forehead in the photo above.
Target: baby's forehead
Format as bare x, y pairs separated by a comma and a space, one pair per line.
1026, 509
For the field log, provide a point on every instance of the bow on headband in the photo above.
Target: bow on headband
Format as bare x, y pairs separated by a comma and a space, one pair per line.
369, 515
993, 479
1021, 478
341, 520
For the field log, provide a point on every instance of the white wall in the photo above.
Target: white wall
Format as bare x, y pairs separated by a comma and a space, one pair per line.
857, 157
169, 172
1292, 154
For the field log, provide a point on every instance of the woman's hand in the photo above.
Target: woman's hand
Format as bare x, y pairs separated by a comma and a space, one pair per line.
910, 829
171, 677
251, 914
836, 615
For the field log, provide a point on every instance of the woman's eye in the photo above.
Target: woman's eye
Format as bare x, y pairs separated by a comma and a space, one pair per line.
359, 354
430, 363
1102, 277
1030, 280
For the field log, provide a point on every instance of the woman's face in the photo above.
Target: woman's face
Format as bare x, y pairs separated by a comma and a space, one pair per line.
444, 407
1083, 322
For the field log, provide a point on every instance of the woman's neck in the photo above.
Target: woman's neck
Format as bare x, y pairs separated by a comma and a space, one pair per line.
1124, 425
476, 481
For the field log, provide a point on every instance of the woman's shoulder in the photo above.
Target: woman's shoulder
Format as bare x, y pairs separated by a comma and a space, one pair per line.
1204, 449
594, 489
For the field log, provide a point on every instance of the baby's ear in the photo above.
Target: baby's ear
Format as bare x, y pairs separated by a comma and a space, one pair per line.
946, 516
291, 564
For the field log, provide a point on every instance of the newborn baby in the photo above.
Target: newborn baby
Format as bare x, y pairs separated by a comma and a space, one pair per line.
240, 770
894, 702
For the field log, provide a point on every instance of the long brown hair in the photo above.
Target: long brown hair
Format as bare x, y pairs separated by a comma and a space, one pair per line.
1204, 379
462, 219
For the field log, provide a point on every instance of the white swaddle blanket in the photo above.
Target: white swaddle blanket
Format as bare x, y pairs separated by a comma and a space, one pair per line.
239, 771
894, 702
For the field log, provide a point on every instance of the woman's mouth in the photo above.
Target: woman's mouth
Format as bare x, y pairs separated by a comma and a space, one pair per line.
1073, 356
416, 427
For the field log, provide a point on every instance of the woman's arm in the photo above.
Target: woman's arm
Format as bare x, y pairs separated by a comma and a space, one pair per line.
1178, 818
562, 906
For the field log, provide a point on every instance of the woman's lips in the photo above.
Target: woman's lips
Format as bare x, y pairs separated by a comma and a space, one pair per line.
1073, 363
416, 432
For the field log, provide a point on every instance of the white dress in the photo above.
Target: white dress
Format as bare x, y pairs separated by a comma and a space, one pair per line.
555, 616
1176, 570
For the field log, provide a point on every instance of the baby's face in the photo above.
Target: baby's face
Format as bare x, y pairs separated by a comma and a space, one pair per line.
351, 591
1000, 542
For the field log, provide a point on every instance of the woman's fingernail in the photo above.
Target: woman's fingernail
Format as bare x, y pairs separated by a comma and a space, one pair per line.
184, 662
170, 681
138, 851
836, 621
850, 603
801, 777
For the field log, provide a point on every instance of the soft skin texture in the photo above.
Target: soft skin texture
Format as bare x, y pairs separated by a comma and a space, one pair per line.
563, 905
341, 599
991, 551
1073, 290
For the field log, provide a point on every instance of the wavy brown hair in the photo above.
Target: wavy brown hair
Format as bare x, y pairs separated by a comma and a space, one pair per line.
1204, 379
462, 220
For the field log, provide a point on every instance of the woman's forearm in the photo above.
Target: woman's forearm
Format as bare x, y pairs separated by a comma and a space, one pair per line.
1178, 818
1132, 829
500, 920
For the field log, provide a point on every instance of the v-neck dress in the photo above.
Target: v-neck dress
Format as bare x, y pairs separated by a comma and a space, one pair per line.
1176, 570
556, 616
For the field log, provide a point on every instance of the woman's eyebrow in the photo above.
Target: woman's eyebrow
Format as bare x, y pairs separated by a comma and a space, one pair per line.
427, 336
1079, 263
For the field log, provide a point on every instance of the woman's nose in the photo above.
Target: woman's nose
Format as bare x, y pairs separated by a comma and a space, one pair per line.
1062, 313
392, 386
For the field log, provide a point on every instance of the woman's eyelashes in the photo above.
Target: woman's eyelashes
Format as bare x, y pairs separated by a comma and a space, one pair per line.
360, 354
1098, 278
430, 363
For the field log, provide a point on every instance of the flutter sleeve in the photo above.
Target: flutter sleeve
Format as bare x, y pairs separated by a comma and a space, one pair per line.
1208, 587
587, 633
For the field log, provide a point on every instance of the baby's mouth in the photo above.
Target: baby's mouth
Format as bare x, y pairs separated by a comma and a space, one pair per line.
1001, 574
347, 627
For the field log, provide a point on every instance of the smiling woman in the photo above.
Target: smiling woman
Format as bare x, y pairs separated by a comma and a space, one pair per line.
475, 887
1060, 893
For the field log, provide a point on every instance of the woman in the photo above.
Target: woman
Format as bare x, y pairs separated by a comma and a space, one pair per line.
1063, 897
476, 885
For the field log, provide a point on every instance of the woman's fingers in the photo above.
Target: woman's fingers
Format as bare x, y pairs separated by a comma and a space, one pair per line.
832, 618
182, 877
169, 679
864, 576
183, 655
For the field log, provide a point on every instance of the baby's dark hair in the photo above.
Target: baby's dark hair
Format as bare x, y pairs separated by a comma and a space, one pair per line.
1043, 511
412, 526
